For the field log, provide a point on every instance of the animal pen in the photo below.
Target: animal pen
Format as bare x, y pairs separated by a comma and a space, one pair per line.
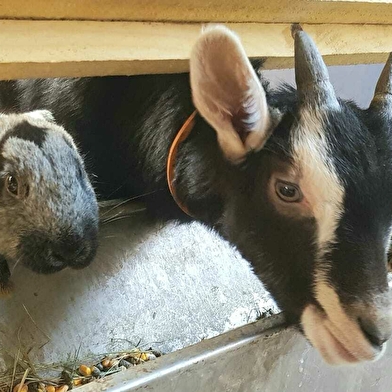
176, 289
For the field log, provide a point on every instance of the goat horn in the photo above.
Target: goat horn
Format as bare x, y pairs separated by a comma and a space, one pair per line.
311, 74
383, 93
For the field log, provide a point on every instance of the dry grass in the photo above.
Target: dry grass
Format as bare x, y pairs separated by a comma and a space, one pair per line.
24, 371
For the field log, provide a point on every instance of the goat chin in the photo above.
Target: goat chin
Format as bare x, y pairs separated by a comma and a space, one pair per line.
340, 342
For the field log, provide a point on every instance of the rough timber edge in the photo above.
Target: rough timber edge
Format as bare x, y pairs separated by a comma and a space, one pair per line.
246, 11
84, 48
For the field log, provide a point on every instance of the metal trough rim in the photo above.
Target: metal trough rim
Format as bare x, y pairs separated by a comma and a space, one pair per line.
141, 375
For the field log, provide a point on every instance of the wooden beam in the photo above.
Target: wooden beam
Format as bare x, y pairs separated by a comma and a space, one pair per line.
69, 48
261, 11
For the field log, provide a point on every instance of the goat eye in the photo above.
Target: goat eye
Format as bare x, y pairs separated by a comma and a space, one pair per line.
290, 193
12, 185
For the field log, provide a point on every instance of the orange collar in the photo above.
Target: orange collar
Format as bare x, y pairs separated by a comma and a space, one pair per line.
181, 136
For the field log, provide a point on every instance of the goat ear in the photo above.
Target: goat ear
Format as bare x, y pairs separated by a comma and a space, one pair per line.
228, 94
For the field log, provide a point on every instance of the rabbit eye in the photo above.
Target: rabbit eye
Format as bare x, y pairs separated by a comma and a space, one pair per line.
12, 185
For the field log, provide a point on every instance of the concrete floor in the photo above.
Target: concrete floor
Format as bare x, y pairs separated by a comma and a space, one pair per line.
167, 286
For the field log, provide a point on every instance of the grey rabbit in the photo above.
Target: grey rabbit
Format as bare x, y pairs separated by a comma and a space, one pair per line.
48, 208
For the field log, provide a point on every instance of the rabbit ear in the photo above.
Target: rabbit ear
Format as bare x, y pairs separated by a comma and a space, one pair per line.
42, 115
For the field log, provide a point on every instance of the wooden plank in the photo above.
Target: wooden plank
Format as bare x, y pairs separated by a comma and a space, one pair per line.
71, 48
261, 11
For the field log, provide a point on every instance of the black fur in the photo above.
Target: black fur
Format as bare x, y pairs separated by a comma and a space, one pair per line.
5, 274
125, 126
27, 131
361, 144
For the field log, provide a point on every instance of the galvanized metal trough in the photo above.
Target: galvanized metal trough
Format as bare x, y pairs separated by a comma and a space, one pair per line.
262, 356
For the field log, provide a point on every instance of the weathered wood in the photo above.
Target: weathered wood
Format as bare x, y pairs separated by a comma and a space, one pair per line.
262, 11
82, 48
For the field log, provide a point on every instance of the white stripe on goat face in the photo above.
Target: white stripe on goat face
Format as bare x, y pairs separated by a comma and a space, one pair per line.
336, 335
319, 182
324, 194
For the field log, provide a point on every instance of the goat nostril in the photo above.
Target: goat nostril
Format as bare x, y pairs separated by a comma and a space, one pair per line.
372, 332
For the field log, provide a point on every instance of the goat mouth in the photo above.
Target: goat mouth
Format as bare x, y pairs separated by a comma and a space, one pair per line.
340, 350
338, 344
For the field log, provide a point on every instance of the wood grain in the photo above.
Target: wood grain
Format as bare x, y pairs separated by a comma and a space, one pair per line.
84, 48
261, 11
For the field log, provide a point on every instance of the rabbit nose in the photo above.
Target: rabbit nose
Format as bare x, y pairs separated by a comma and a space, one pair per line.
67, 254
70, 248
77, 249
67, 246
74, 247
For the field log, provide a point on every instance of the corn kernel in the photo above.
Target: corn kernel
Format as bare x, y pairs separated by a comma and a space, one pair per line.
76, 381
63, 388
85, 370
143, 357
23, 388
106, 363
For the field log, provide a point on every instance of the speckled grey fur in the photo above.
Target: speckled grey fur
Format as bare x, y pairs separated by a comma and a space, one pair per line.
60, 204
